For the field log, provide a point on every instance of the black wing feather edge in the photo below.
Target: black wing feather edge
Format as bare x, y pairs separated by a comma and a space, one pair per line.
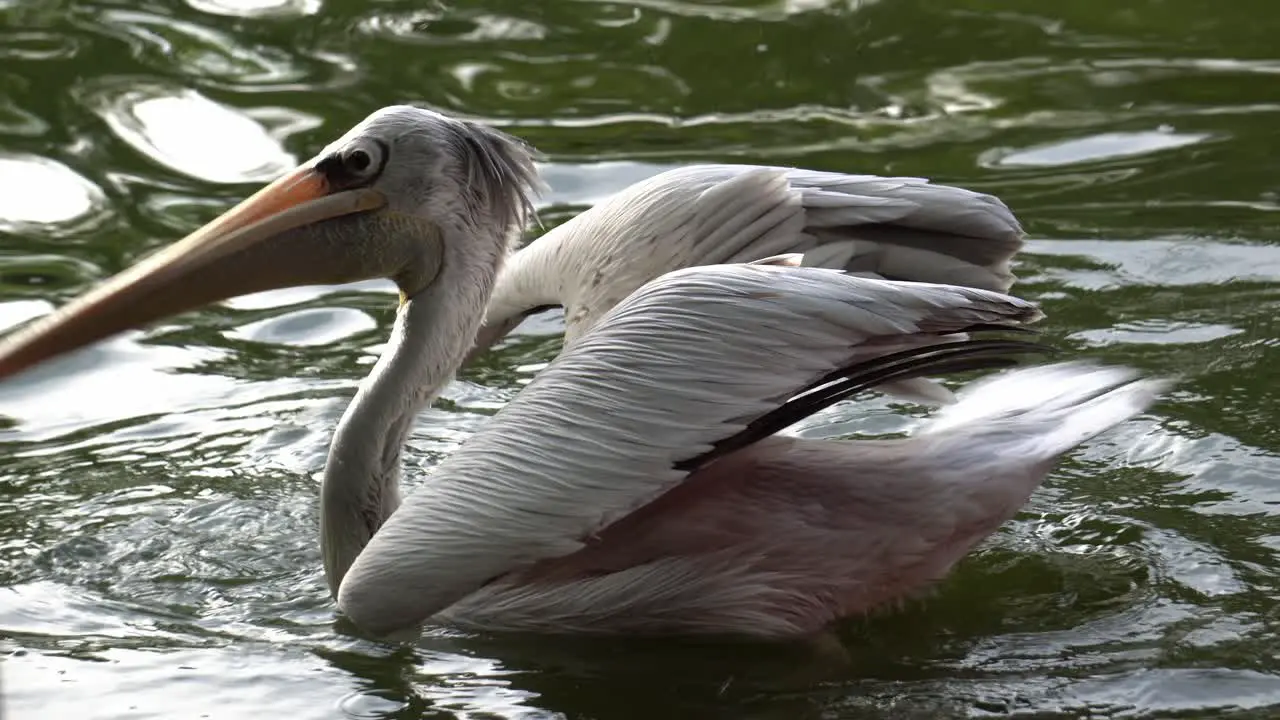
960, 356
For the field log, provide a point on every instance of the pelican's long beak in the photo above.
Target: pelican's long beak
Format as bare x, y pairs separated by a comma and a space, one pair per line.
247, 249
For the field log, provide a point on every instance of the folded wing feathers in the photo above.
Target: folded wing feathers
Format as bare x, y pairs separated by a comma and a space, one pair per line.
686, 361
910, 229
901, 228
920, 204
754, 210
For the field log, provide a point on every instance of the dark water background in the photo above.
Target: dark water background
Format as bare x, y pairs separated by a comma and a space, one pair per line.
158, 493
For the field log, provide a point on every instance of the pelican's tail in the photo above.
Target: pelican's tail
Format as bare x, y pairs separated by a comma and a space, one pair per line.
1042, 412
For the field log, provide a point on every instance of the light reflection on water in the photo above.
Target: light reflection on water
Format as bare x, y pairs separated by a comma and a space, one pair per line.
191, 134
158, 522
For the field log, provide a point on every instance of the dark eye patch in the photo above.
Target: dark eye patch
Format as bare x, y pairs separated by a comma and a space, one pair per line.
354, 167
357, 161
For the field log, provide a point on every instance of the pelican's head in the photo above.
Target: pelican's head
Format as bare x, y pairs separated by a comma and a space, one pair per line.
380, 202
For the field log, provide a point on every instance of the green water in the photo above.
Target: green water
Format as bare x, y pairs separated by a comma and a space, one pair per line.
158, 492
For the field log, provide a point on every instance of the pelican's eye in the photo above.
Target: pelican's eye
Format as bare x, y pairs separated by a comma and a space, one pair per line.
356, 165
357, 161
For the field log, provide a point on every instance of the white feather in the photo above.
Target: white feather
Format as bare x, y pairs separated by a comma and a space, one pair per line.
1041, 412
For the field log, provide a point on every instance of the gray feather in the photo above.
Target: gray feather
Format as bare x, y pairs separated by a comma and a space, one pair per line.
501, 172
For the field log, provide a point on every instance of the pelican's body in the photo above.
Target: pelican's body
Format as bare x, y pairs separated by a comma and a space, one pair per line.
638, 484
776, 539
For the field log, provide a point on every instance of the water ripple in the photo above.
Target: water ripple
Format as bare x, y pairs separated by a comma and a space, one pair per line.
434, 27
319, 326
1104, 146
203, 52
37, 191
158, 530
258, 8
189, 133
35, 45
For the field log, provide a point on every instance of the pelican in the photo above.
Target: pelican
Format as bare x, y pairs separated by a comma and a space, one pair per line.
639, 484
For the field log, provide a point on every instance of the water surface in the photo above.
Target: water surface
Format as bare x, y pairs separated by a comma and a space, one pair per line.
158, 509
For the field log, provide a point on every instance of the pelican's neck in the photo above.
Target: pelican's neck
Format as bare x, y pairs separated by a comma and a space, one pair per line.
431, 336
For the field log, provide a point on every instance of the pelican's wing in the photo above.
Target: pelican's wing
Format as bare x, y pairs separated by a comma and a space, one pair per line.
899, 228
688, 361
907, 228
892, 227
